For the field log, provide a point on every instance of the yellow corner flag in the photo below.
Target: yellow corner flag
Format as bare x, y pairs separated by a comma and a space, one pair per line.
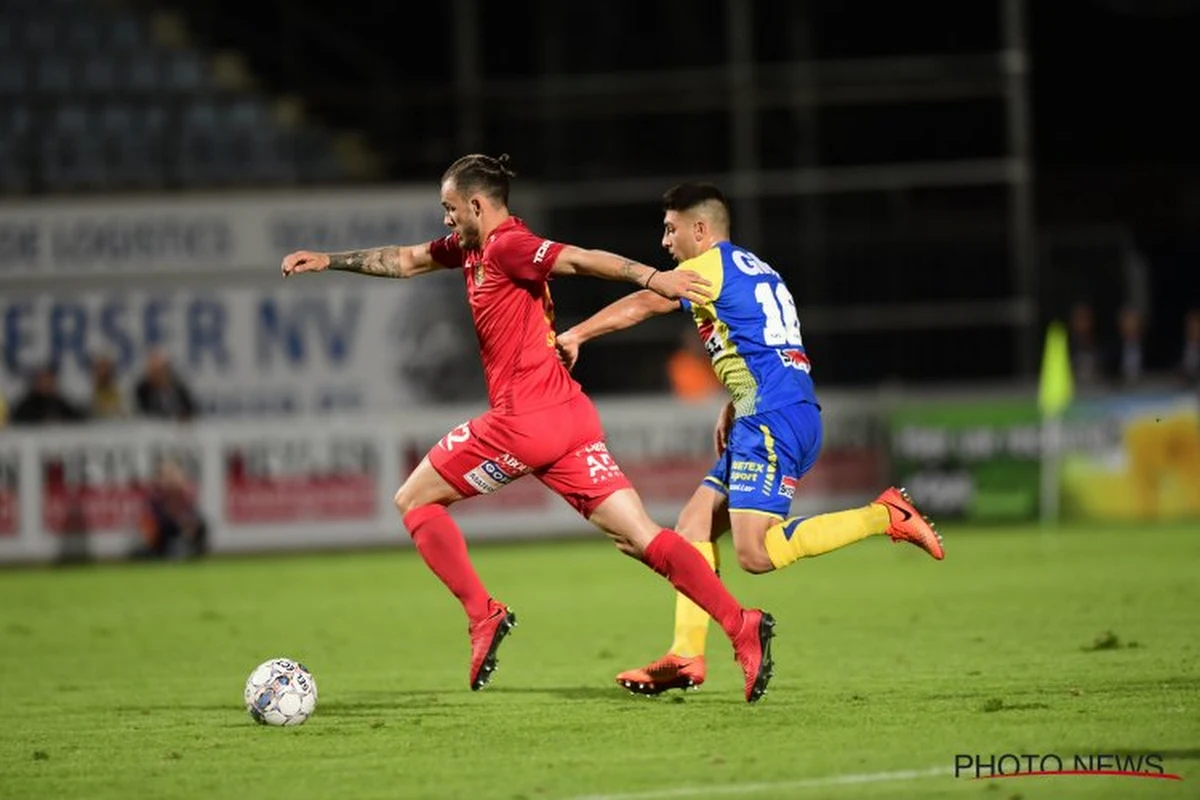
1056, 386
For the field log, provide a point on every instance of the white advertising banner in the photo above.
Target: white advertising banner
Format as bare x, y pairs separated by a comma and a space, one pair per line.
328, 482
181, 234
198, 276
304, 345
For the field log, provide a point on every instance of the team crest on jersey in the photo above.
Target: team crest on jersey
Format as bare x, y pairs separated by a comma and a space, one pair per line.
478, 273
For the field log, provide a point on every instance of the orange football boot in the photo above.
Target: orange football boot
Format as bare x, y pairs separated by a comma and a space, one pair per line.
908, 525
751, 649
669, 672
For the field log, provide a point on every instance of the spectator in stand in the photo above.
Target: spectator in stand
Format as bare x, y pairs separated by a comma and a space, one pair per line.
690, 370
1131, 358
172, 525
43, 404
161, 393
1189, 363
107, 402
1086, 356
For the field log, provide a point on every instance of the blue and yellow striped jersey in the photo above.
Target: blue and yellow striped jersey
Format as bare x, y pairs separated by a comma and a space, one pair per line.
751, 331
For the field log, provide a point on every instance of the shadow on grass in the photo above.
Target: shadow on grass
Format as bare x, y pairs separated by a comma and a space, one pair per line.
441, 702
400, 699
588, 693
364, 703
174, 708
616, 696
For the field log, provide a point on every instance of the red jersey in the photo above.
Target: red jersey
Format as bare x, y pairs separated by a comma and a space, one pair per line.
514, 315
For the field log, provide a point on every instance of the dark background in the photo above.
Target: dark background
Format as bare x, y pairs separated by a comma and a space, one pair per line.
908, 278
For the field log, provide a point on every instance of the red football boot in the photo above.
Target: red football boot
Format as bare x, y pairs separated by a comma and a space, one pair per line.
486, 636
752, 651
908, 525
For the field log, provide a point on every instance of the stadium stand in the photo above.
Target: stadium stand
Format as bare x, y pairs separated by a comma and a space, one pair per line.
96, 97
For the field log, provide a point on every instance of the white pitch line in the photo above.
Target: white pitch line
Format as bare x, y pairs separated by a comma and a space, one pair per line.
772, 786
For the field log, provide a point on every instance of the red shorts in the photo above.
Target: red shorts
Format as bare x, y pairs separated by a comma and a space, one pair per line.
562, 446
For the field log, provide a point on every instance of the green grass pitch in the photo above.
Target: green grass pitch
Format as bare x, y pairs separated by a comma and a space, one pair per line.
125, 681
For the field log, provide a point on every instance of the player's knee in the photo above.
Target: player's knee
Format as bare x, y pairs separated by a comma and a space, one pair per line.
754, 559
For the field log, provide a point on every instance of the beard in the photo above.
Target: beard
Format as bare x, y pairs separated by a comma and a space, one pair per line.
468, 237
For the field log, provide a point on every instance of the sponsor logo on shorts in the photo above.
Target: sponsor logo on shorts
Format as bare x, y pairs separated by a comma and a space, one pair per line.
514, 466
742, 472
601, 467
787, 486
488, 477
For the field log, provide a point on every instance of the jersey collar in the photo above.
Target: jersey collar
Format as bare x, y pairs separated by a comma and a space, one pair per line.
508, 224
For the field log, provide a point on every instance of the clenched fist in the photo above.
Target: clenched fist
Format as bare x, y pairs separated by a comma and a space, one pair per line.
304, 261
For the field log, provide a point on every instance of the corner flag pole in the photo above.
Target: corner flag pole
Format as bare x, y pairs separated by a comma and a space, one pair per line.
1055, 390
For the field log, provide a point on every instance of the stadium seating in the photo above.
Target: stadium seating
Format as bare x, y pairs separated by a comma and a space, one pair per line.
99, 98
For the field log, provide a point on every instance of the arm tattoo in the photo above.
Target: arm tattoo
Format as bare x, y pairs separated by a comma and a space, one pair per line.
627, 271
383, 262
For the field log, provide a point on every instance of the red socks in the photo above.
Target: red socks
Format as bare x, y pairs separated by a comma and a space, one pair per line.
670, 555
441, 544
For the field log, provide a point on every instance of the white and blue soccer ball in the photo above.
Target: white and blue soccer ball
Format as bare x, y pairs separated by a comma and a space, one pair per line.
281, 692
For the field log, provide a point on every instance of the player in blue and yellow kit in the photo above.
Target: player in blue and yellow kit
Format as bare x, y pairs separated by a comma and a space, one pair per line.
768, 436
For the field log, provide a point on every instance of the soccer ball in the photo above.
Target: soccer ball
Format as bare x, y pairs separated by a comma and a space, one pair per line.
281, 692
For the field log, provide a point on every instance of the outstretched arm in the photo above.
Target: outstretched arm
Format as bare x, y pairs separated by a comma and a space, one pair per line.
402, 261
673, 284
617, 316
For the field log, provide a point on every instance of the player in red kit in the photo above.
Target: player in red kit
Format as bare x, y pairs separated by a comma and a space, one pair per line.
540, 422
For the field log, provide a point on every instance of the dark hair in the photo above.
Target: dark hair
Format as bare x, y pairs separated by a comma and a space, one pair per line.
686, 196
480, 173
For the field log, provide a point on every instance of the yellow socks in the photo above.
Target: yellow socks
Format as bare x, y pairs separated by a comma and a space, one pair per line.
691, 621
804, 537
787, 542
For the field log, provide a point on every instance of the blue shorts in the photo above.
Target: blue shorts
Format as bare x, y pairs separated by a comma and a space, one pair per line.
766, 456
